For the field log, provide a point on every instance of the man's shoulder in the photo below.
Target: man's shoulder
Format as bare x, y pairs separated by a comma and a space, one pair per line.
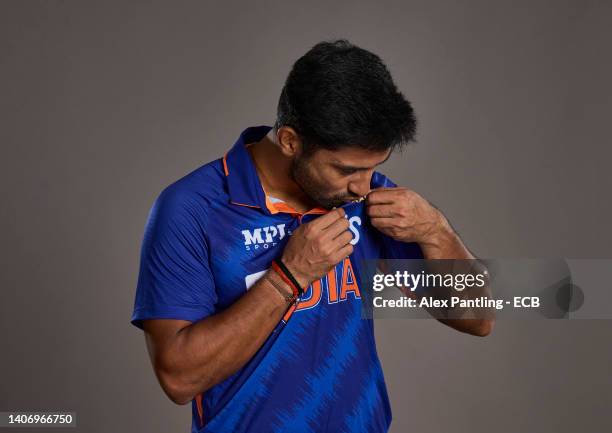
207, 181
195, 192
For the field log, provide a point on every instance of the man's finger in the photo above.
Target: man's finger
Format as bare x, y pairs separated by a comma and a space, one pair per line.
379, 222
328, 219
336, 228
343, 239
383, 195
343, 252
385, 210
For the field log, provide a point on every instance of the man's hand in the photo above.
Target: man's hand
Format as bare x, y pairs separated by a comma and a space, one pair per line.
404, 215
407, 217
317, 246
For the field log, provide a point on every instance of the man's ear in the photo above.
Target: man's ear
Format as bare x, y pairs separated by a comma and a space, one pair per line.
288, 141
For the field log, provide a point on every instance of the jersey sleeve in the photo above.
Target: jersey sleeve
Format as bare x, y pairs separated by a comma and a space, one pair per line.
392, 249
175, 280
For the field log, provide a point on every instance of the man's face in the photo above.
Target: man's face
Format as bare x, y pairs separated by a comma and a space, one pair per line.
333, 178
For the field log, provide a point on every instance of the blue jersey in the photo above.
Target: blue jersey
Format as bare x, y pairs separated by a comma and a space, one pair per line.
209, 236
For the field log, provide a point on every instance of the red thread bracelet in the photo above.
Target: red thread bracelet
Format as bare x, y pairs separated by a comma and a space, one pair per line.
285, 278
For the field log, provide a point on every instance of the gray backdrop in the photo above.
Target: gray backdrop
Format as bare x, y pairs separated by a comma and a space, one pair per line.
103, 104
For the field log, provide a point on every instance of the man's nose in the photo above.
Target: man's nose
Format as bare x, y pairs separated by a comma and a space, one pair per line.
361, 185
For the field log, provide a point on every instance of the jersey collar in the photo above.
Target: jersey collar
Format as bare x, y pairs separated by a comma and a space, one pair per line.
243, 182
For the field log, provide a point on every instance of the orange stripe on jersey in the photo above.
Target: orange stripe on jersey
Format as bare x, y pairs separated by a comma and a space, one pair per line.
200, 409
289, 313
276, 207
349, 282
279, 207
315, 298
317, 210
242, 204
225, 169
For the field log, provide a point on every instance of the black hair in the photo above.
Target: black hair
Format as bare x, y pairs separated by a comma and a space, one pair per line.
339, 95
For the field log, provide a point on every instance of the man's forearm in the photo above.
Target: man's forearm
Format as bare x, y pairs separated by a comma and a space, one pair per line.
206, 352
445, 243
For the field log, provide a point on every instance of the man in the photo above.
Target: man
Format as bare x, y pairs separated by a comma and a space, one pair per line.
223, 325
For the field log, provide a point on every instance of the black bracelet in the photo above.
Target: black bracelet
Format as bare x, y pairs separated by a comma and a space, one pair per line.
289, 275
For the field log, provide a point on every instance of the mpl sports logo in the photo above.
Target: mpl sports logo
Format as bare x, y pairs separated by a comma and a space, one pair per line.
266, 237
263, 237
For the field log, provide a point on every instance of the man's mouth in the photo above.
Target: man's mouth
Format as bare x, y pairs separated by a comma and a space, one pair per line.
352, 200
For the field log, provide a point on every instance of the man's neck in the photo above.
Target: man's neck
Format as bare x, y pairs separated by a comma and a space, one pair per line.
273, 170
